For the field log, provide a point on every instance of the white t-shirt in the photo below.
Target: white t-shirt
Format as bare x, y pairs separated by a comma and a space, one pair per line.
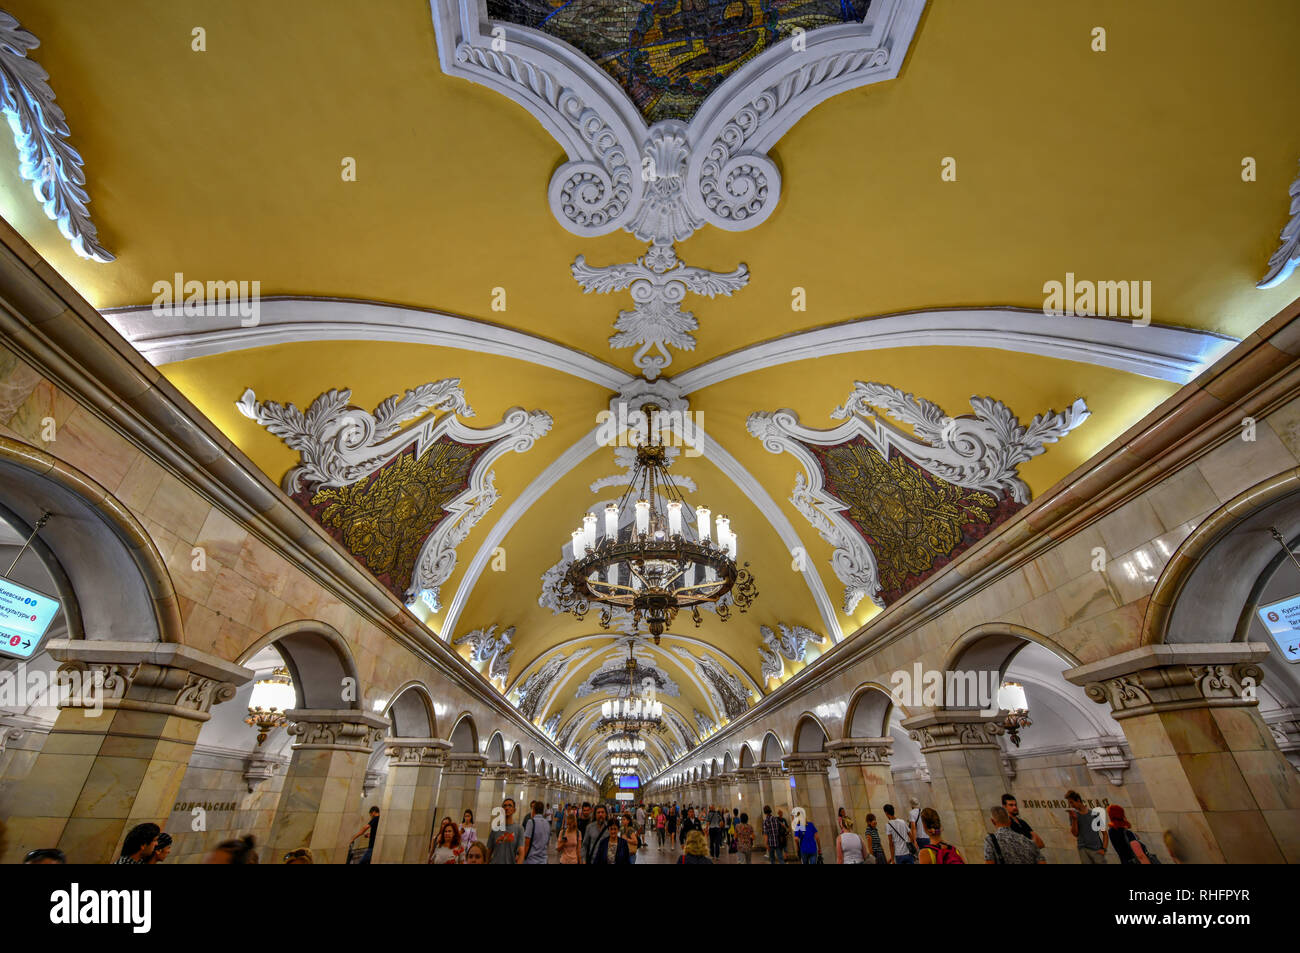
914, 816
851, 846
897, 829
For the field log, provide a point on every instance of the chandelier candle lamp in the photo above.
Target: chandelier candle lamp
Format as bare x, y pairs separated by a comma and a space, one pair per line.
272, 697
659, 564
1012, 700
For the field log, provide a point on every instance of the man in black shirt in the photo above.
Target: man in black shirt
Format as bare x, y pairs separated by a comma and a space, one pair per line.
372, 827
1021, 827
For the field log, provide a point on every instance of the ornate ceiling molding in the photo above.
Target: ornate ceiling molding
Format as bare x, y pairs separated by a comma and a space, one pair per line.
40, 134
489, 652
662, 182
658, 283
981, 453
1162, 353
341, 445
727, 691
791, 644
1287, 256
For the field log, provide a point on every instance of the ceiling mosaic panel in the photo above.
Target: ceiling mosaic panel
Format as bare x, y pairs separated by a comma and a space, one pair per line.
915, 522
670, 55
385, 519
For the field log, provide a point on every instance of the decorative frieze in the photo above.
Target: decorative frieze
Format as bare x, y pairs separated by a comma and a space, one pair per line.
807, 762
856, 752
418, 752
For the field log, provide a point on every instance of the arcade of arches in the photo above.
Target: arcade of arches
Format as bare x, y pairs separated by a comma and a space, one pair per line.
356, 475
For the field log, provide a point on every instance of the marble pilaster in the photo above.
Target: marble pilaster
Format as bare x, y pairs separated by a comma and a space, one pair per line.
410, 807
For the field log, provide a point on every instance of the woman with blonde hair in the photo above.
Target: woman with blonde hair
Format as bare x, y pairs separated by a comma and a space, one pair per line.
570, 840
849, 848
696, 849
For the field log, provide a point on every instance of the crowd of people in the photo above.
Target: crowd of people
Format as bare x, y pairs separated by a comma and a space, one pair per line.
618, 834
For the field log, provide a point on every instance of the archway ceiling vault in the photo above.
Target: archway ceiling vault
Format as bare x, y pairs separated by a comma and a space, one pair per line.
1116, 166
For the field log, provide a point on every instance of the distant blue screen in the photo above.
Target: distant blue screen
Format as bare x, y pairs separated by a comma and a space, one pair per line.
629, 781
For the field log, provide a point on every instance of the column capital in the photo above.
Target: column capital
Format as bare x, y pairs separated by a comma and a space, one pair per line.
1174, 676
416, 752
808, 762
163, 677
746, 774
769, 769
1108, 758
496, 771
953, 730
462, 763
347, 729
855, 752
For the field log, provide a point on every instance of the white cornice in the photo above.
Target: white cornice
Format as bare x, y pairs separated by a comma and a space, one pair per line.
161, 337
1155, 351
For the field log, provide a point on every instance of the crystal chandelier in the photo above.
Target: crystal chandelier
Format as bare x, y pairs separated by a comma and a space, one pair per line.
624, 761
625, 743
272, 696
660, 563
628, 715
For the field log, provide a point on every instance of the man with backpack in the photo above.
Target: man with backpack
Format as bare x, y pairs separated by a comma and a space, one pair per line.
1005, 846
938, 850
537, 836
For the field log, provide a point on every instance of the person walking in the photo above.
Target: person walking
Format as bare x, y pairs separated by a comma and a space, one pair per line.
503, 844
714, 823
871, 835
848, 845
611, 848
915, 829
372, 828
1005, 846
569, 844
744, 839
936, 849
902, 849
536, 837
632, 835
672, 828
595, 831
772, 836
1127, 847
695, 849
810, 842
661, 826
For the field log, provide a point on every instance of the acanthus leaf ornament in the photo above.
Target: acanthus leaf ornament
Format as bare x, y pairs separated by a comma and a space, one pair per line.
40, 134
658, 283
487, 648
1283, 261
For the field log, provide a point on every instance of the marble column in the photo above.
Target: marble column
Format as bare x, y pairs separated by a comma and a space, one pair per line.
812, 795
1214, 771
773, 787
318, 806
866, 782
967, 778
410, 807
129, 714
515, 787
534, 786
492, 788
728, 791
460, 786
751, 801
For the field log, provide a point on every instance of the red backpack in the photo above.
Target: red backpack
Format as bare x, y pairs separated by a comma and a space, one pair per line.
944, 853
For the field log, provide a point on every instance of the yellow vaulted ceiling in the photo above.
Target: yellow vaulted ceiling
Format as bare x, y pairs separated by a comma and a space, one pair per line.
1120, 165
